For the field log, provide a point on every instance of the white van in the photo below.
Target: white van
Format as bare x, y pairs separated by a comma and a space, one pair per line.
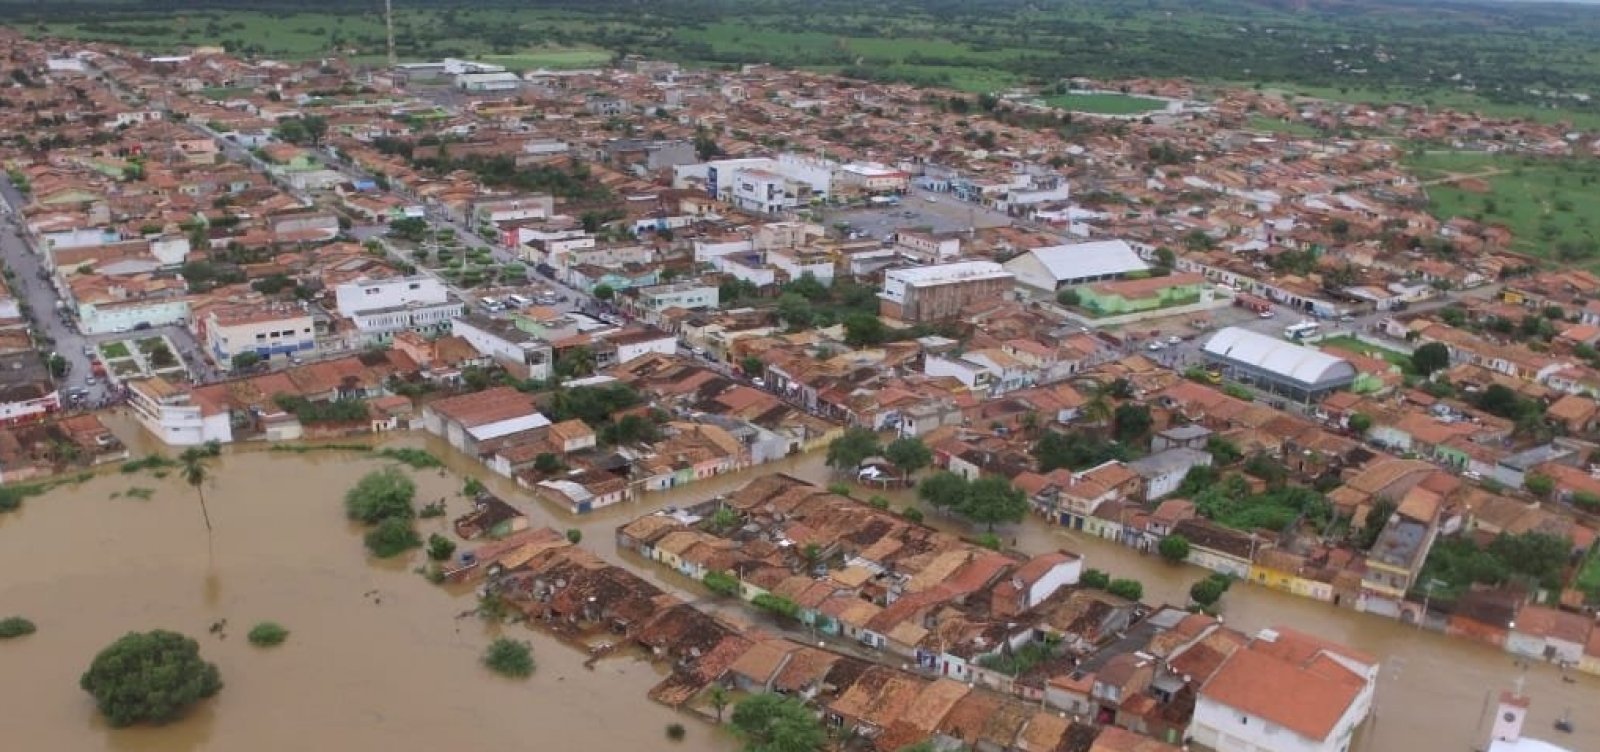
518, 301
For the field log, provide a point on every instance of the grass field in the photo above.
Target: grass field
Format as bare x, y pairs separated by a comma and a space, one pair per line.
552, 58
1105, 103
1285, 127
1551, 207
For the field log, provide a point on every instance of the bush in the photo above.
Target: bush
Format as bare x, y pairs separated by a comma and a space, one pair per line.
1174, 548
574, 535
721, 583
676, 732
509, 658
440, 547
15, 626
912, 514
1095, 579
149, 677
472, 487
989, 541
1131, 589
381, 495
391, 537
267, 634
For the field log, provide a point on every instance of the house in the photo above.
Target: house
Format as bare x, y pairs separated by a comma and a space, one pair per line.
942, 291
1397, 556
465, 421
1038, 579
1285, 691
524, 355
175, 416
383, 307
1218, 548
1550, 634
491, 517
1161, 473
267, 330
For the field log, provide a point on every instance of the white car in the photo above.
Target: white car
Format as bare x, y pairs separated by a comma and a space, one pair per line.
1174, 340
1154, 345
1266, 314
930, 199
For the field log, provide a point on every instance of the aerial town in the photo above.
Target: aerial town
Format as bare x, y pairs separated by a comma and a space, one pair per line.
869, 395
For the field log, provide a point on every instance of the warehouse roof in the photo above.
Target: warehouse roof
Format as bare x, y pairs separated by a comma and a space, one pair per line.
1291, 361
1084, 260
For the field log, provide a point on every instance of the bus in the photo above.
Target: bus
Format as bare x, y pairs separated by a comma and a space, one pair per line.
517, 301
1304, 331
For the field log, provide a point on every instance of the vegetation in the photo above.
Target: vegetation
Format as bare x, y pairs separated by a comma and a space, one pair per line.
440, 548
332, 411
774, 723
1229, 502
776, 605
15, 626
509, 658
1075, 451
676, 732
855, 445
1095, 579
417, 459
721, 583
988, 500
1174, 548
191, 464
1017, 662
1205, 593
391, 537
1133, 590
1545, 203
1533, 559
381, 495
149, 677
908, 454
574, 536
268, 634
1430, 357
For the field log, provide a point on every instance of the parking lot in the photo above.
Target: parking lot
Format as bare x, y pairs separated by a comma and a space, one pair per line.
943, 213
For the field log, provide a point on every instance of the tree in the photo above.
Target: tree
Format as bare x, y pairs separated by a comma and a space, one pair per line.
1372, 524
380, 495
472, 487
718, 697
752, 366
848, 451
1360, 423
1068, 297
58, 364
392, 536
13, 627
944, 490
721, 583
993, 499
1124, 588
192, 466
1132, 422
807, 286
774, 723
909, 454
604, 291
574, 535
1208, 591
1223, 452
795, 310
440, 547
1174, 548
149, 677
509, 658
1540, 485
864, 330
267, 634
547, 463
1094, 579
1430, 357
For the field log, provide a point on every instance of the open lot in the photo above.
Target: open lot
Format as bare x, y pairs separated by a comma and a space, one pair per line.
1551, 207
943, 214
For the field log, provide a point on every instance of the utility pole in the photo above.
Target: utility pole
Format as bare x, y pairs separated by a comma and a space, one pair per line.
388, 24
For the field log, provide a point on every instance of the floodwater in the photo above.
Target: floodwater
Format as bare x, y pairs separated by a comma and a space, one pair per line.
377, 658
372, 675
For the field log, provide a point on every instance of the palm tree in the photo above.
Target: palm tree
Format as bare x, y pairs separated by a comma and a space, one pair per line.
195, 474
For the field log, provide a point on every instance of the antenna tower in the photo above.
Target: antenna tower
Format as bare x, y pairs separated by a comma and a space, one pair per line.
388, 25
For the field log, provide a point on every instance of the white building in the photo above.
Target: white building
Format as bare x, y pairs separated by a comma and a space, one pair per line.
690, 295
1285, 692
123, 316
504, 342
762, 192
380, 308
637, 343
798, 262
266, 329
170, 412
1057, 266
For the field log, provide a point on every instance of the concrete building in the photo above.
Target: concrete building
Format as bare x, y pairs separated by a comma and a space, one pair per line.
487, 82
523, 354
171, 413
798, 262
1275, 366
533, 206
1164, 471
692, 295
762, 192
1285, 691
1125, 296
266, 329
1054, 267
123, 316
929, 247
934, 293
380, 308
27, 393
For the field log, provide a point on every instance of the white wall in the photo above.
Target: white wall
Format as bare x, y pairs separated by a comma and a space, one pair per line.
667, 345
1059, 576
354, 297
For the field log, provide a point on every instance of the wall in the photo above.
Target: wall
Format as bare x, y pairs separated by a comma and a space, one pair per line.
104, 318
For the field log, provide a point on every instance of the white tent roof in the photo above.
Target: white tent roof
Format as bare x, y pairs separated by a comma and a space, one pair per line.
1286, 359
1082, 260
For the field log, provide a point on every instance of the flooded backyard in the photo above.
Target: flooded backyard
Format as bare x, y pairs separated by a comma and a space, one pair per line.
378, 659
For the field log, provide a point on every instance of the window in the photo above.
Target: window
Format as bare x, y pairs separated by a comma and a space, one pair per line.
416, 286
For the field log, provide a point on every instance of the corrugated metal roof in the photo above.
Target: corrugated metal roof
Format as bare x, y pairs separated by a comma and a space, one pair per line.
1085, 260
1302, 364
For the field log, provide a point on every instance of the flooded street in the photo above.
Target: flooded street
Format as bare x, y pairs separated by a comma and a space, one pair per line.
376, 659
397, 670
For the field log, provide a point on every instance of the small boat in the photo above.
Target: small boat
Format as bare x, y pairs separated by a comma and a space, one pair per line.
1564, 723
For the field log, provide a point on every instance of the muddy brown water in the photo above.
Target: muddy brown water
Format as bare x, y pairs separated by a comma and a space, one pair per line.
404, 671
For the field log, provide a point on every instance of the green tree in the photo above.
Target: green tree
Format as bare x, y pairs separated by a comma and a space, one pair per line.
795, 311
993, 499
1132, 422
267, 634
1068, 297
245, 360
440, 547
192, 466
807, 286
1430, 357
719, 699
1540, 485
1174, 548
846, 453
1095, 579
774, 723
1223, 452
752, 366
721, 583
944, 490
392, 536
380, 495
1133, 590
12, 627
604, 291
1208, 591
547, 463
909, 454
58, 364
149, 677
509, 658
1360, 423
864, 330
